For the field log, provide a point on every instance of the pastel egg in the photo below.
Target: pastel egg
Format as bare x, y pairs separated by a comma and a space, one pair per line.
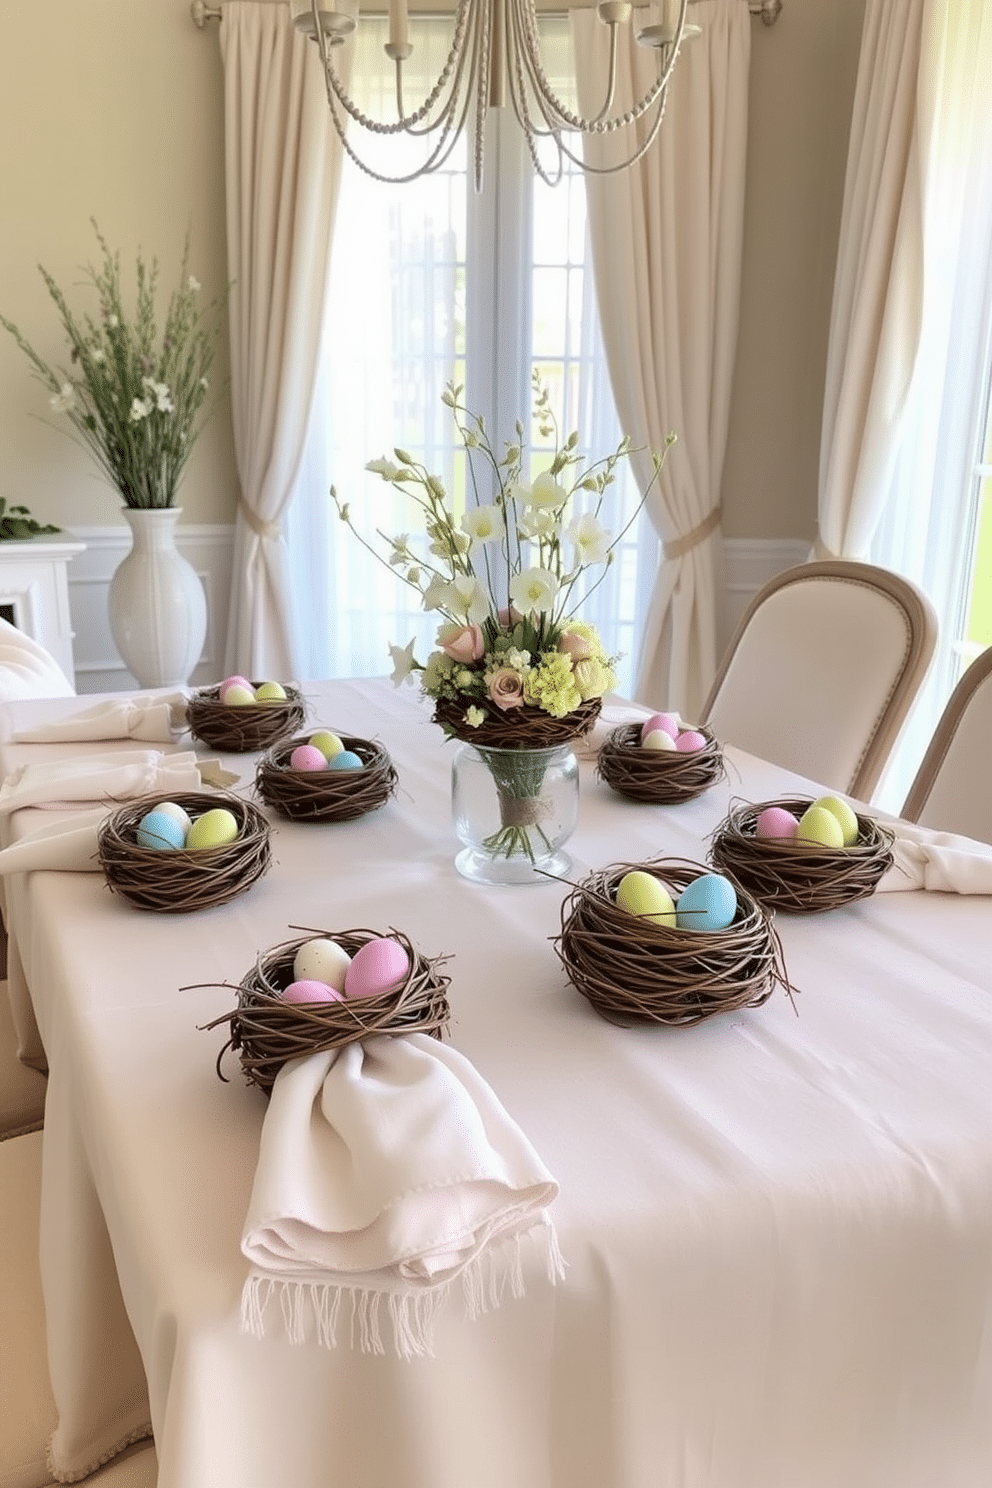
378, 966
236, 681
821, 827
307, 990
160, 831
329, 744
640, 893
169, 808
775, 821
238, 696
346, 760
270, 692
658, 740
690, 741
306, 757
847, 817
667, 722
707, 903
321, 960
214, 828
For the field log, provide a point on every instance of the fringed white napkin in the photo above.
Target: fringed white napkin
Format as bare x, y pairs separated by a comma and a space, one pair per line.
388, 1172
940, 861
101, 777
68, 843
153, 718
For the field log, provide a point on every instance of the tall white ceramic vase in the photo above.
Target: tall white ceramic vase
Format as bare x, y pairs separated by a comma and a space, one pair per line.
157, 607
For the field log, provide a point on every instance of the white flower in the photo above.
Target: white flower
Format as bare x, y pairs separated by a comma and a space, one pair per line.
385, 468
204, 382
535, 524
483, 524
193, 284
466, 596
545, 493
99, 355
140, 408
64, 398
592, 541
403, 663
401, 553
534, 589
435, 593
517, 659
113, 322
474, 716
160, 392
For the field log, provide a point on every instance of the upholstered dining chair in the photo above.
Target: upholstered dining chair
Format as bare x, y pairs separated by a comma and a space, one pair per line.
27, 669
952, 789
823, 669
27, 1408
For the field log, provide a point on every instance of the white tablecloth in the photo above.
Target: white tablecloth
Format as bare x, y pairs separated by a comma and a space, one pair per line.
777, 1228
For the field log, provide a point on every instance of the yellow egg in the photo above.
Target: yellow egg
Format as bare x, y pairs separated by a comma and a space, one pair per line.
819, 826
844, 814
270, 692
642, 894
214, 828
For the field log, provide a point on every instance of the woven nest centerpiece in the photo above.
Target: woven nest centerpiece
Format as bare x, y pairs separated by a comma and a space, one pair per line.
266, 1031
180, 880
517, 728
246, 729
795, 876
634, 971
657, 777
326, 795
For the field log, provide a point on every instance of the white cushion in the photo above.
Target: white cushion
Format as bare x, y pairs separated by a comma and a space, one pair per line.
27, 670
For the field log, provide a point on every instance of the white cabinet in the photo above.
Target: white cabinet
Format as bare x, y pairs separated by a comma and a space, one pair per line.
34, 591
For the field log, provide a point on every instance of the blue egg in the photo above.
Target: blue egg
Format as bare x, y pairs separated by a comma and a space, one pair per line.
708, 903
346, 760
161, 831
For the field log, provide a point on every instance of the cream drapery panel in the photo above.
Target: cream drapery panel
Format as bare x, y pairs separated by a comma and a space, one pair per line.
666, 241
282, 166
878, 284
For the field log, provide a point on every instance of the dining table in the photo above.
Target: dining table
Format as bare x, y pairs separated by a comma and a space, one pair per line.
775, 1225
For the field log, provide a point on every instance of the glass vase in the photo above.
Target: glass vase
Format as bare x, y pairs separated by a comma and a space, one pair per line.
513, 809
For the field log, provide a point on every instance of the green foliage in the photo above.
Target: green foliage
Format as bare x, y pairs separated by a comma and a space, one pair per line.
133, 396
17, 523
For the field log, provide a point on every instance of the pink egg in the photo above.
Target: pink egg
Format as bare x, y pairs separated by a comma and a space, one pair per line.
690, 742
667, 722
310, 991
234, 682
775, 821
307, 757
377, 966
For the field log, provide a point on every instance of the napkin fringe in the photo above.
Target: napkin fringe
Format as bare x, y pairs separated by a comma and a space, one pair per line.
407, 1316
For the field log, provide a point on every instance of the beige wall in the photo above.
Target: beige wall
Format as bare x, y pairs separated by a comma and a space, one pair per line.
112, 109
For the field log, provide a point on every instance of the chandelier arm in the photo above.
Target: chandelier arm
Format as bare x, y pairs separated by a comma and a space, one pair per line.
402, 126
458, 85
483, 58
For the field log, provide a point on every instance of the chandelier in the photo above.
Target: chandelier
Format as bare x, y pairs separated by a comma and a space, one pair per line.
495, 56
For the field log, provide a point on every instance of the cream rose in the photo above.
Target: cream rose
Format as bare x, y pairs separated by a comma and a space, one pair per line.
506, 688
462, 642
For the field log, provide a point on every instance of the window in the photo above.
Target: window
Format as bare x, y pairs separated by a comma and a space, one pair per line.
431, 282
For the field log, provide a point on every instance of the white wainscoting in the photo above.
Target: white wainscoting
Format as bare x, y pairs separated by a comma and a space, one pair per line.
747, 565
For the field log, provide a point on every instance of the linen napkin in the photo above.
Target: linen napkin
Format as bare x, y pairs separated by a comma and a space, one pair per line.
102, 777
153, 718
387, 1172
65, 842
940, 861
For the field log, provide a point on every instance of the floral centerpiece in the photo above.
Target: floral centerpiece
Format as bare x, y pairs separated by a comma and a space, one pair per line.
132, 395
516, 672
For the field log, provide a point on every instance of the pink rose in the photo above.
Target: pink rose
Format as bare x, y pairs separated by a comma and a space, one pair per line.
576, 646
509, 617
462, 642
506, 688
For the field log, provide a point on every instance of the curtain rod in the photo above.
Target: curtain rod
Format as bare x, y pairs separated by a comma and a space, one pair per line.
769, 11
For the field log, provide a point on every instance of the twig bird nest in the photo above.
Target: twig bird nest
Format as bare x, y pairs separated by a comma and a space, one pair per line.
246, 729
326, 795
516, 728
795, 876
266, 1030
634, 970
658, 777
180, 880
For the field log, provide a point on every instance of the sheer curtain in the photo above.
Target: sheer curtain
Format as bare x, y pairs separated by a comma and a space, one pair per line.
667, 238
912, 321
282, 165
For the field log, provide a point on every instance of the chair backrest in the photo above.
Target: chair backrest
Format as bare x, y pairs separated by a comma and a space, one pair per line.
822, 671
952, 791
27, 670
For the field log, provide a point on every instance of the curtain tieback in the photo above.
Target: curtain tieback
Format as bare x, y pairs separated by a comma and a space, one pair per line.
679, 546
261, 528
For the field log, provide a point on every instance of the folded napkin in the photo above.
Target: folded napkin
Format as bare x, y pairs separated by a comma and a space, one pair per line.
101, 777
922, 859
152, 718
388, 1170
65, 842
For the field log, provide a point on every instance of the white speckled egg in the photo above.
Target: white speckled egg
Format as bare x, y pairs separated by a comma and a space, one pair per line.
321, 960
657, 740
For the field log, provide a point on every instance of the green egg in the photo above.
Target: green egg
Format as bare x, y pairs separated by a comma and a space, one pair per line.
216, 828
817, 825
845, 815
